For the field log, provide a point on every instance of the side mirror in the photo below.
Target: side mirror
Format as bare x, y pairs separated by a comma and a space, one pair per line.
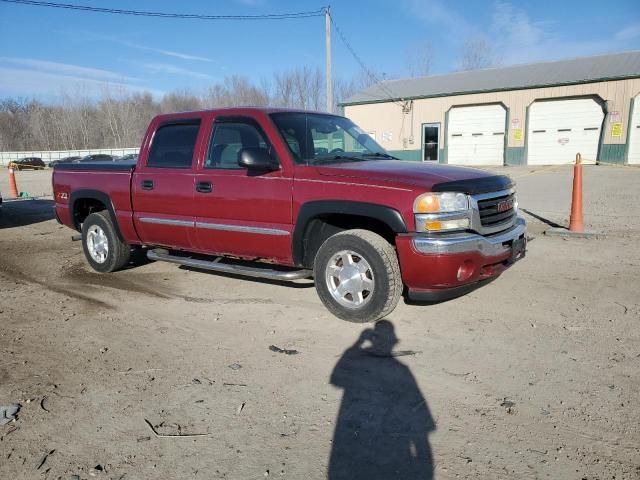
256, 158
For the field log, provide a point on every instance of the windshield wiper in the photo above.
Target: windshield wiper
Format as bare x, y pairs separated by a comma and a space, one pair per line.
379, 154
336, 158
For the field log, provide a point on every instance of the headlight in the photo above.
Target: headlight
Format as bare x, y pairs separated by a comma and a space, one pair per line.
441, 202
442, 211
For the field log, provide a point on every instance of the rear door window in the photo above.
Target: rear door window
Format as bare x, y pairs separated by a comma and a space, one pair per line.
173, 145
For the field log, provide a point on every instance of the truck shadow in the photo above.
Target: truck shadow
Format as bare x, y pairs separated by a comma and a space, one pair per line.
480, 284
384, 420
19, 213
551, 223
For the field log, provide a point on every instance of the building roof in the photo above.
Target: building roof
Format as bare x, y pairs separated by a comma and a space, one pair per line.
563, 72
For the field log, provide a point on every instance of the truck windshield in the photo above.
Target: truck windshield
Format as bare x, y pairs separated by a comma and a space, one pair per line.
318, 138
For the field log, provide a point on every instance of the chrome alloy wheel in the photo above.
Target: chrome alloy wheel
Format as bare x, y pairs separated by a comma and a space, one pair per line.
97, 244
349, 279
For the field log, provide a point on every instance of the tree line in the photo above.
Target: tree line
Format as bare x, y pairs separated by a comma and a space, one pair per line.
117, 118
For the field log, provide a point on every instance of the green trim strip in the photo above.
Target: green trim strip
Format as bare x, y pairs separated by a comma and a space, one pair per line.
526, 135
613, 153
413, 155
515, 156
507, 119
445, 157
629, 130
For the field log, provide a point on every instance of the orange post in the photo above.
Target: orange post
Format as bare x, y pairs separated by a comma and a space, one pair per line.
12, 183
575, 222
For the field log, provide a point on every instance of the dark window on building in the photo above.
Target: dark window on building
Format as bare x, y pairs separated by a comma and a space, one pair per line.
173, 145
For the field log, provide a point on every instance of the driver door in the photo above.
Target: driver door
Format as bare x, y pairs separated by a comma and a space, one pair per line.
241, 212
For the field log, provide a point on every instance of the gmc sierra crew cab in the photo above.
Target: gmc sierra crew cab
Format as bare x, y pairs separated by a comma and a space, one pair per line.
287, 195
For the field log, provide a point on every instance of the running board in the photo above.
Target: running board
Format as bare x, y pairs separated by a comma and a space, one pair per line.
217, 266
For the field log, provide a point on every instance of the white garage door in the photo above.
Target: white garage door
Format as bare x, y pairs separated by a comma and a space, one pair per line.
475, 135
559, 129
634, 133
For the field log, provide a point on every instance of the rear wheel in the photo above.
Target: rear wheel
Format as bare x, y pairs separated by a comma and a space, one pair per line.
102, 247
357, 276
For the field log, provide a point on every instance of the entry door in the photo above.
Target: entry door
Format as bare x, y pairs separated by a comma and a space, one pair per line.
430, 142
241, 212
163, 187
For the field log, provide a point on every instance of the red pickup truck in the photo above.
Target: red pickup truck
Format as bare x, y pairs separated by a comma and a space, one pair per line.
286, 195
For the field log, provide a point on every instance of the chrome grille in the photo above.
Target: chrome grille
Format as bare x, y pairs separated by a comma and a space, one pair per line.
491, 214
494, 212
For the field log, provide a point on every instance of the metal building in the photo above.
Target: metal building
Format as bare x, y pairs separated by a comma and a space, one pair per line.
535, 114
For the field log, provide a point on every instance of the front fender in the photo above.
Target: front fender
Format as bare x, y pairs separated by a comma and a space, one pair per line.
314, 209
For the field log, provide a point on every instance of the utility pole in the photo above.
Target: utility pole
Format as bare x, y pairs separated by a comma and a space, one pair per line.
327, 28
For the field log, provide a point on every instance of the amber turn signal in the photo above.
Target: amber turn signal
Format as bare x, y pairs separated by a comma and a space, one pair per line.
427, 204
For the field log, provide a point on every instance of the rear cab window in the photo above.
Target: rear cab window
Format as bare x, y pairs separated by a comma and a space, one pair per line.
174, 144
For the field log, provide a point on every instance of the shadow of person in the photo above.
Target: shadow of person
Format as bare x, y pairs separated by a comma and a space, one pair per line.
383, 423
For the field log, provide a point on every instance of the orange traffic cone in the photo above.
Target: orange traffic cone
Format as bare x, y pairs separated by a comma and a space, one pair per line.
575, 222
12, 184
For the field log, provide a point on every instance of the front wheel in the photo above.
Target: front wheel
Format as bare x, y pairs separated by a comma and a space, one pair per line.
357, 276
102, 247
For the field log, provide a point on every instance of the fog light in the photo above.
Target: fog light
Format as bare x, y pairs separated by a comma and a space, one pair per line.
466, 270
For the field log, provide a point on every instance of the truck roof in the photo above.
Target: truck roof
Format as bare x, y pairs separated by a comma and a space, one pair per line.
244, 110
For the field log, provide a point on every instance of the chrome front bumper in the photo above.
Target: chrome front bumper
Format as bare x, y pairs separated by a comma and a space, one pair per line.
488, 246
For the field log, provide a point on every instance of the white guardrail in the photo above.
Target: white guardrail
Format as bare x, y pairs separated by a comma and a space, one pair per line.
48, 156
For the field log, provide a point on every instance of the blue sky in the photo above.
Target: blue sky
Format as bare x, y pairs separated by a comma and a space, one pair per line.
45, 51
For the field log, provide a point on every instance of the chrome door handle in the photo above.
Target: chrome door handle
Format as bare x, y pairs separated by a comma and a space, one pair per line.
204, 187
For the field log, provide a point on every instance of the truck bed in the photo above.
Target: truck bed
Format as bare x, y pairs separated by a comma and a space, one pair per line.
107, 182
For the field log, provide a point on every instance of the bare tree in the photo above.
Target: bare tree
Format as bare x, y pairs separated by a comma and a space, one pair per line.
236, 91
118, 117
477, 53
283, 90
301, 88
180, 101
419, 59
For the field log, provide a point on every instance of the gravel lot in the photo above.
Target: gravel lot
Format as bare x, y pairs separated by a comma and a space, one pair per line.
166, 372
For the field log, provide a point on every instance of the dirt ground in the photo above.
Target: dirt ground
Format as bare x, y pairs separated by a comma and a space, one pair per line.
160, 372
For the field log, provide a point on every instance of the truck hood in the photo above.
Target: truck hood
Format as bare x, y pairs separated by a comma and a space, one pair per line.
417, 174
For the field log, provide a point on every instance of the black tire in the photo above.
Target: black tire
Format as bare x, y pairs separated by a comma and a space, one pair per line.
385, 273
118, 252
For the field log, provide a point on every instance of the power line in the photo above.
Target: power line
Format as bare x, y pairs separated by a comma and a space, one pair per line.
192, 16
187, 16
364, 67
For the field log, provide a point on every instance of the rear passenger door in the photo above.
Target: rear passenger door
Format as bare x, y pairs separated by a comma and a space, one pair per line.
241, 212
163, 185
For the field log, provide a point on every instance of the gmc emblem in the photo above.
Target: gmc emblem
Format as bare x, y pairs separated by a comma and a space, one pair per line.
505, 205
